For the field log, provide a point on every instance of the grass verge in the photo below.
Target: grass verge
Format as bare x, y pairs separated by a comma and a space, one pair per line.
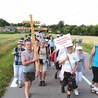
6, 71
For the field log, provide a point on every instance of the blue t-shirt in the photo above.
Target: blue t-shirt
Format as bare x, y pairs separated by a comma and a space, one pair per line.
95, 57
51, 43
80, 64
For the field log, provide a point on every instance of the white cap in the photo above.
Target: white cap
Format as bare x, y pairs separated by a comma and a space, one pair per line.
20, 42
79, 48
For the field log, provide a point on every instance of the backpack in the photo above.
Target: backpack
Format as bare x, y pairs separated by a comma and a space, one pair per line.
53, 56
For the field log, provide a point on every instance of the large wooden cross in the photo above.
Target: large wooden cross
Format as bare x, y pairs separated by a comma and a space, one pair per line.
32, 29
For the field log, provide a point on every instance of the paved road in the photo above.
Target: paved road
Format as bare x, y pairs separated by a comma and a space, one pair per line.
52, 89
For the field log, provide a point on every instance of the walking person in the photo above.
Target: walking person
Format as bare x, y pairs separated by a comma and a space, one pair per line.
18, 68
78, 43
69, 61
43, 64
81, 64
51, 45
93, 64
56, 62
28, 61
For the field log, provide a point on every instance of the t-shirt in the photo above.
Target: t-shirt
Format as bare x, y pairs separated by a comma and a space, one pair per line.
28, 56
95, 57
73, 58
42, 54
51, 43
80, 64
61, 51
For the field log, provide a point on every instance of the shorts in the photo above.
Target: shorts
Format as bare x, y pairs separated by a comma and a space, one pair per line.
57, 66
29, 76
52, 49
70, 80
43, 68
95, 74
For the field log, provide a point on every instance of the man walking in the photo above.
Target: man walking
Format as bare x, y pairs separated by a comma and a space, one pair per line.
28, 61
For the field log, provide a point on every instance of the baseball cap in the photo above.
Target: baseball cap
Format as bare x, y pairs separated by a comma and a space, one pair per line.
79, 40
20, 42
79, 48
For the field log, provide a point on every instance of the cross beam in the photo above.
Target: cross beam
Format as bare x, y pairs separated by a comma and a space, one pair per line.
31, 22
28, 28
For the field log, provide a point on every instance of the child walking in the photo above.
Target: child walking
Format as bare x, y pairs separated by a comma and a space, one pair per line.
81, 65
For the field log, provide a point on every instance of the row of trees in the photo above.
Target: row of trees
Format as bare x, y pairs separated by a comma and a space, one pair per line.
91, 30
62, 28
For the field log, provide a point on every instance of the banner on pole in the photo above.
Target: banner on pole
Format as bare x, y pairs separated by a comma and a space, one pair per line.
63, 41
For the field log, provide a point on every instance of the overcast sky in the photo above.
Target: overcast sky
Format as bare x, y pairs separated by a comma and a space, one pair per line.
72, 12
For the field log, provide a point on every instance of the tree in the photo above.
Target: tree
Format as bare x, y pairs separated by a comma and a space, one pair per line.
3, 23
61, 26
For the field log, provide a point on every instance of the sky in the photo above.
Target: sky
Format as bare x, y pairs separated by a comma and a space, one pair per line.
72, 12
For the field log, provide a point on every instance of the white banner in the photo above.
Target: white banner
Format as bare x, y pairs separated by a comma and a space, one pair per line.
63, 41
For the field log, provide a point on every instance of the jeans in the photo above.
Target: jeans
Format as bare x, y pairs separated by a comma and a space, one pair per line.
18, 72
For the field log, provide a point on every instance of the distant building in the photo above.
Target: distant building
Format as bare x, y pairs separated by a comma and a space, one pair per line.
1, 28
9, 29
12, 29
23, 31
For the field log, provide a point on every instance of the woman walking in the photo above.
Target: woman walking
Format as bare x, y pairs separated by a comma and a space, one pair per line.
43, 64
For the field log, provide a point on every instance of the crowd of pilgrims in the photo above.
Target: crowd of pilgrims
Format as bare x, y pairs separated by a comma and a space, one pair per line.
68, 61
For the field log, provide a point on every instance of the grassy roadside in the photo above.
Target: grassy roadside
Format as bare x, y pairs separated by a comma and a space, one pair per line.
7, 43
6, 71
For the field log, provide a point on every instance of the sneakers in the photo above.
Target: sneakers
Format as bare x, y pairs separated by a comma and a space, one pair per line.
92, 88
76, 92
95, 89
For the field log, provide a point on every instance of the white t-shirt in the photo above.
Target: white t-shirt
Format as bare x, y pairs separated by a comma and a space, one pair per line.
66, 65
61, 51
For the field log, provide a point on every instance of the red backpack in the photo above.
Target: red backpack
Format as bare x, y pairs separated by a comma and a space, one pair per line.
53, 56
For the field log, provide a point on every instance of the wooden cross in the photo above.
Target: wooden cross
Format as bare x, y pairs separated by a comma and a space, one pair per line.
31, 22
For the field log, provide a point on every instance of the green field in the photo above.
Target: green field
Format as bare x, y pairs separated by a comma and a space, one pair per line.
9, 41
